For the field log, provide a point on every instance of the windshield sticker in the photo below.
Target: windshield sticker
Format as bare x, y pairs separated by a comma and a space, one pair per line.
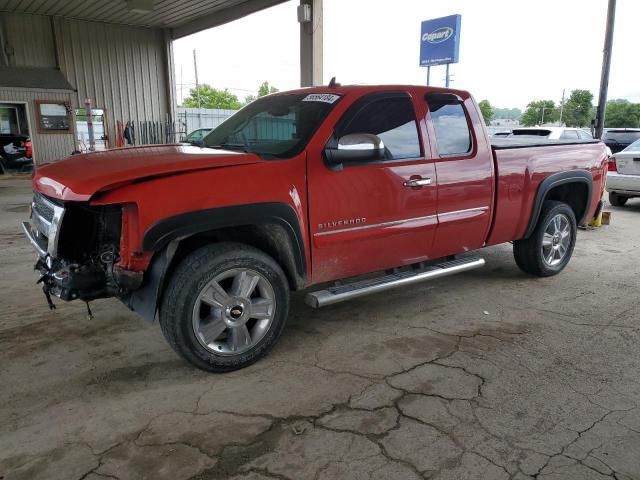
321, 97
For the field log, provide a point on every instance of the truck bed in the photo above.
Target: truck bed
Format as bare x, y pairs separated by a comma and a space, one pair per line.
523, 141
521, 165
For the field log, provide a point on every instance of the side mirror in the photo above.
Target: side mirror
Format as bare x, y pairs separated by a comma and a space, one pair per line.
355, 147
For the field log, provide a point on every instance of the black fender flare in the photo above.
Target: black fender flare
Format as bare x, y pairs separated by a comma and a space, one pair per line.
560, 178
164, 236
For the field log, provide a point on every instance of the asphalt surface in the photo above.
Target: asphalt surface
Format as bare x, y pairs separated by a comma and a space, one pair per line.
487, 375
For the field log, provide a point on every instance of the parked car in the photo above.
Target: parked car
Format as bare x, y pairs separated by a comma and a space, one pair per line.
314, 189
197, 135
617, 139
553, 133
15, 153
623, 177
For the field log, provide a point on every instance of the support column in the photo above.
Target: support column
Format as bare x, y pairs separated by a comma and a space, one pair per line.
310, 43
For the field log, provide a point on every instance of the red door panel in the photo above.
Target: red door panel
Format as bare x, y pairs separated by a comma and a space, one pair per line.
465, 183
368, 219
363, 218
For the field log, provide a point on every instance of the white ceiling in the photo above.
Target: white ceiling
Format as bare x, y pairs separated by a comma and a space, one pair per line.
181, 17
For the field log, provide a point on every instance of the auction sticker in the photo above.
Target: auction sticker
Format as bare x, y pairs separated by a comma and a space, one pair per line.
321, 97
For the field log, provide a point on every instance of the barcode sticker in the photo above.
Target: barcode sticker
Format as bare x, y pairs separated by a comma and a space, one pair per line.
321, 97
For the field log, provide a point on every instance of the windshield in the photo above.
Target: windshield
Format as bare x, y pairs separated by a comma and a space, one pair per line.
634, 147
275, 126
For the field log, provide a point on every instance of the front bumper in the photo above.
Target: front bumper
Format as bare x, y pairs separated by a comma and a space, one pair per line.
624, 184
67, 281
63, 279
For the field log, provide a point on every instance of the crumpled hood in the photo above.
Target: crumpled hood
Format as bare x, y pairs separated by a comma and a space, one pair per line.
81, 176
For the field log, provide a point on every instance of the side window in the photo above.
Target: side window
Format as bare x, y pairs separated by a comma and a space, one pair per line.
392, 119
569, 135
450, 123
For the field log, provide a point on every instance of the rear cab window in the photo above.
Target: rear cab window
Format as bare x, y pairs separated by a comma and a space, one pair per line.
451, 125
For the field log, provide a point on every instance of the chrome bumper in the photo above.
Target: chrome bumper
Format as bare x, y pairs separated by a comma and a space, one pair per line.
621, 183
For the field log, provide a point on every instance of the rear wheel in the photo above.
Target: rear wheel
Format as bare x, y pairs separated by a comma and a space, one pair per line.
225, 307
549, 248
617, 200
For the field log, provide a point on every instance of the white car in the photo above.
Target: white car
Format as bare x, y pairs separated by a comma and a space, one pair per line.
623, 177
553, 133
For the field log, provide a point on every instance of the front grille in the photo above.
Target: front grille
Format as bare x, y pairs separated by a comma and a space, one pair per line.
47, 217
43, 206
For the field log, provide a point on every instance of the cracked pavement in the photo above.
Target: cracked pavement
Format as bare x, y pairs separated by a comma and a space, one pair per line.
487, 375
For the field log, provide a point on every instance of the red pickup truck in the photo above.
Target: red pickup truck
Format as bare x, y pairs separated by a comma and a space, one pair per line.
297, 191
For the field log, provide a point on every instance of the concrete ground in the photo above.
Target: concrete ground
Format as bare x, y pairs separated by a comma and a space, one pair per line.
487, 375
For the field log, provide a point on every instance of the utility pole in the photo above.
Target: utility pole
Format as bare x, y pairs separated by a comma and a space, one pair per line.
561, 109
181, 86
606, 68
195, 68
542, 119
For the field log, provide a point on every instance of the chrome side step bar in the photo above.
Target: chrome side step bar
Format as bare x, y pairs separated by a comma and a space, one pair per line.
340, 293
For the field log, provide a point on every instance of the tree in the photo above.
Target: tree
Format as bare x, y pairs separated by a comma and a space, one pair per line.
206, 96
539, 112
507, 113
266, 89
622, 113
578, 109
487, 111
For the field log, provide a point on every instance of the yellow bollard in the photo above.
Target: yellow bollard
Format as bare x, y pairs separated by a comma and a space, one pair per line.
596, 222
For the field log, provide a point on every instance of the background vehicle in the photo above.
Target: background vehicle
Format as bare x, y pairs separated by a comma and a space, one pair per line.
553, 133
197, 135
623, 177
15, 153
617, 139
296, 191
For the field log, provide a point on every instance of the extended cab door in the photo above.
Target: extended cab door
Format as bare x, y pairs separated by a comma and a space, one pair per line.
464, 165
372, 215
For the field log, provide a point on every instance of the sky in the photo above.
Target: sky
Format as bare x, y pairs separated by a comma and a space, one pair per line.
511, 51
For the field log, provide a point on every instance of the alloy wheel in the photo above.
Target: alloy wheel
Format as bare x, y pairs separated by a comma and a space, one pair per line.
234, 311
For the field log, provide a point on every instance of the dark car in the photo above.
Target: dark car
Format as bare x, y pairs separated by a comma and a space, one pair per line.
15, 153
197, 135
617, 139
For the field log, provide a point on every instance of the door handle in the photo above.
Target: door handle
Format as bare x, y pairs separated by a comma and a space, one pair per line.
417, 182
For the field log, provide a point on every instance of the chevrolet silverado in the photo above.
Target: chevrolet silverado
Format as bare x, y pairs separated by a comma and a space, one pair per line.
339, 191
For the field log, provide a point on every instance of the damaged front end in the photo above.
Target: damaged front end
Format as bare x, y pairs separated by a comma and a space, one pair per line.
78, 249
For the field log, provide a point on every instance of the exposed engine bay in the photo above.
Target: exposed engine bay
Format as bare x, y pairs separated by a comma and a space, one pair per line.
78, 248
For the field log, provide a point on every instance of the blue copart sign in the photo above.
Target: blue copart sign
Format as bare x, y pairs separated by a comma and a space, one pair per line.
440, 40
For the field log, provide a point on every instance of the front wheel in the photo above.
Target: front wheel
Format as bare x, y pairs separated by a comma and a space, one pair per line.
225, 306
549, 248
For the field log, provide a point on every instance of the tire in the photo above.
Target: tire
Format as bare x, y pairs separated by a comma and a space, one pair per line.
617, 200
533, 255
207, 316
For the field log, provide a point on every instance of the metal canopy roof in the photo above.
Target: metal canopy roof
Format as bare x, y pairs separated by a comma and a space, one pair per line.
181, 17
